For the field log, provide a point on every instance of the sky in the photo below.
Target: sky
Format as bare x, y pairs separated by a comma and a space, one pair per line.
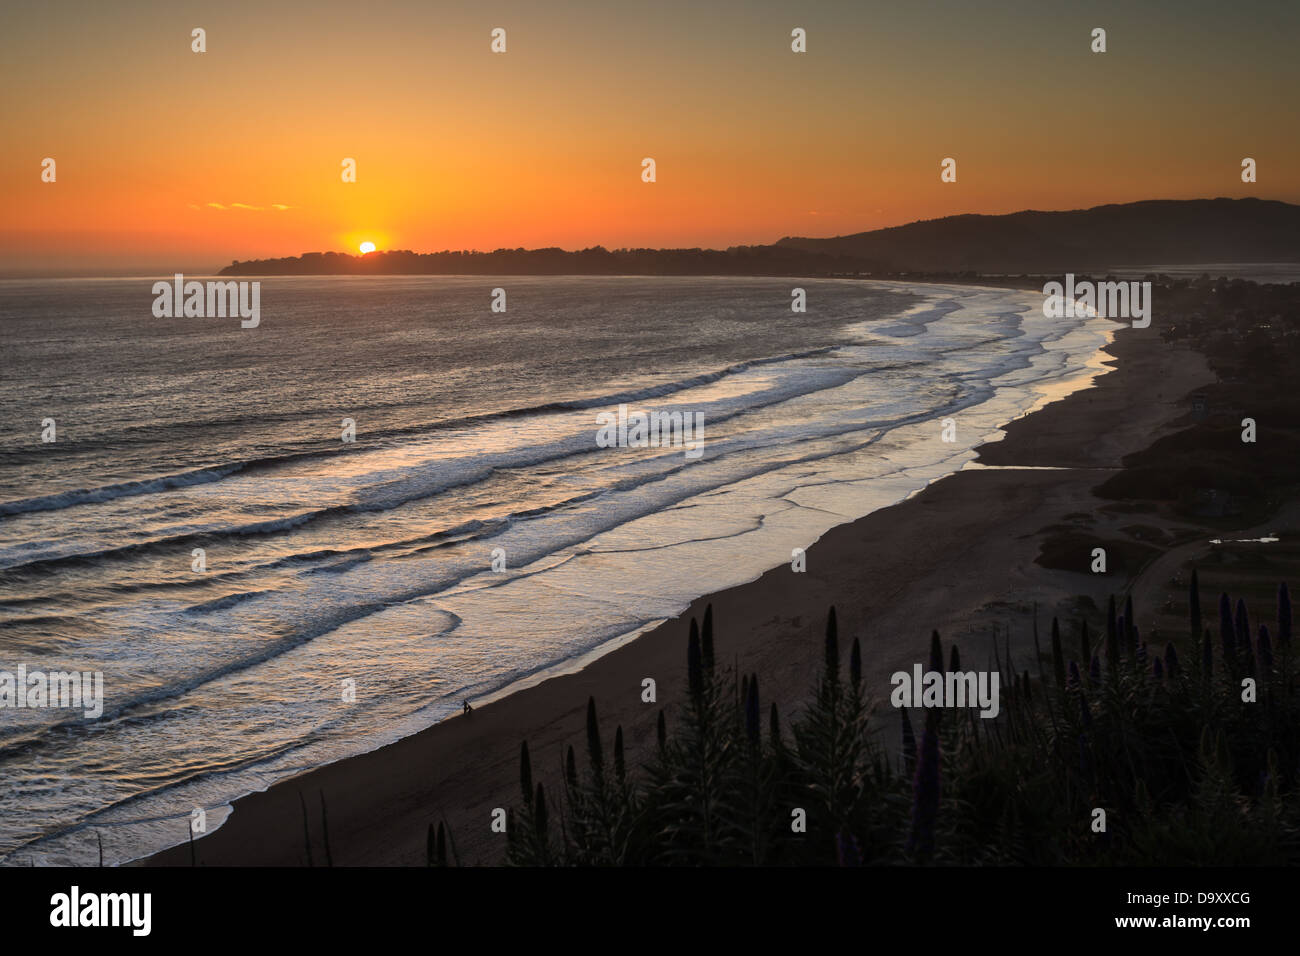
170, 160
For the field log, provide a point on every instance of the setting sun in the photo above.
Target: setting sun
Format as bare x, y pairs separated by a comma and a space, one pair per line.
367, 247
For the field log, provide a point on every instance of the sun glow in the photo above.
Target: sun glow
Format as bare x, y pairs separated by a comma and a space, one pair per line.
367, 247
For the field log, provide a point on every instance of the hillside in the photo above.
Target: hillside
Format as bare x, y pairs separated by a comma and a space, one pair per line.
1140, 233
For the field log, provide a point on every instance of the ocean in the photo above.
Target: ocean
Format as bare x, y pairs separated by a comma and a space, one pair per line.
474, 535
1278, 273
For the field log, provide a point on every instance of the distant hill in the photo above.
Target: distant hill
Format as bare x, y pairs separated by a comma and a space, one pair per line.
1161, 231
739, 261
1138, 233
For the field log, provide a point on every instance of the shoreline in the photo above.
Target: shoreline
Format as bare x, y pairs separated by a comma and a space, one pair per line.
940, 557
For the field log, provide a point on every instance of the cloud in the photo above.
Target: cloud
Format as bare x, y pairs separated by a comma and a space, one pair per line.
278, 207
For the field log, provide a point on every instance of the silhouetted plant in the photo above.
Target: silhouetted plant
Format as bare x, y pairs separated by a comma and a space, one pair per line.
925, 791
620, 768
1265, 649
1058, 656
706, 640
1283, 615
1112, 638
1130, 635
1227, 636
694, 665
1194, 602
1189, 773
525, 772
909, 742
325, 829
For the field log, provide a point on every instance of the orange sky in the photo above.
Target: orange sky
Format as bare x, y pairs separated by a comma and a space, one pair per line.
458, 147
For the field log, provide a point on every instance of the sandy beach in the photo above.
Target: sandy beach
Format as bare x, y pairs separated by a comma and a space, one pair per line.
959, 557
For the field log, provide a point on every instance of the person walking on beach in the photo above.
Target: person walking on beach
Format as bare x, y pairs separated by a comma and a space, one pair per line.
468, 708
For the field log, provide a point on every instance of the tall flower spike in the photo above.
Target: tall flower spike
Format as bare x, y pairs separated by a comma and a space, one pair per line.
1226, 634
909, 741
832, 647
1058, 655
1131, 634
694, 664
1265, 648
620, 768
752, 720
846, 849
525, 772
1194, 604
1241, 624
706, 640
594, 753
1112, 637
1283, 615
925, 790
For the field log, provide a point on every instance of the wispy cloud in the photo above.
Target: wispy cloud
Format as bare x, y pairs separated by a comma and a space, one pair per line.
278, 207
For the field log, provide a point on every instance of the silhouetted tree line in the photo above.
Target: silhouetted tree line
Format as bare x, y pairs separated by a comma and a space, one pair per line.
738, 260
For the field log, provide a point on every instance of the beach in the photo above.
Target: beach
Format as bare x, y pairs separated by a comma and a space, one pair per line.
960, 557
